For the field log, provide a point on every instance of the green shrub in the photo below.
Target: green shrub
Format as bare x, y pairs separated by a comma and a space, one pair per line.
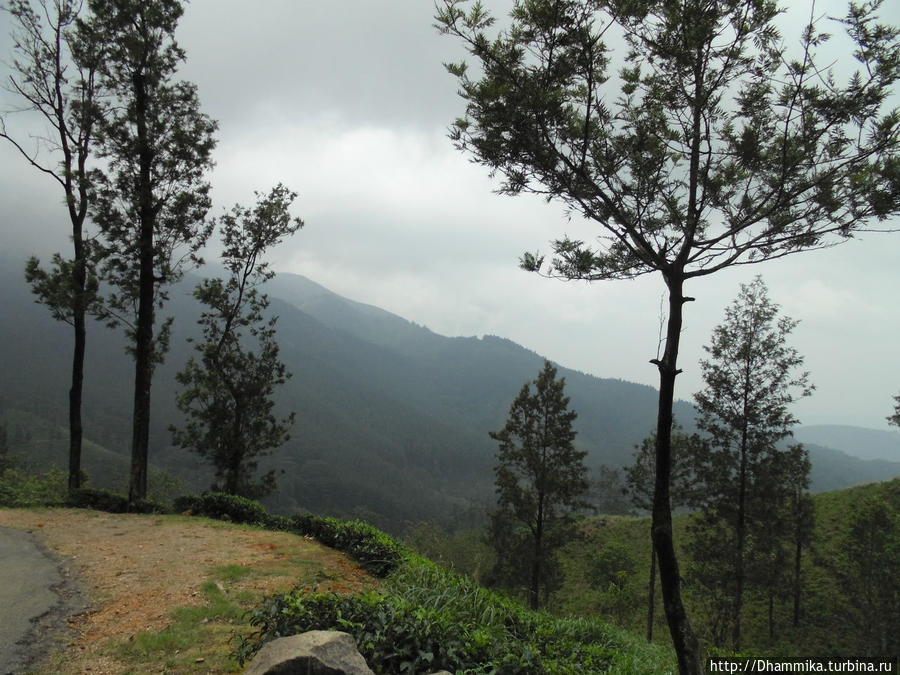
376, 552
222, 506
111, 502
21, 489
429, 619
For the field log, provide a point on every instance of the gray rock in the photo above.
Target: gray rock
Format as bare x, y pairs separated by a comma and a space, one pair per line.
317, 652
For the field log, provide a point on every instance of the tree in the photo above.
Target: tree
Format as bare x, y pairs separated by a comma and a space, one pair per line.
895, 417
714, 146
228, 392
750, 383
54, 72
540, 477
640, 481
871, 575
152, 199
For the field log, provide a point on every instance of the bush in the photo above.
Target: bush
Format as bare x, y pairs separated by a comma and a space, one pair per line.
430, 620
20, 489
376, 552
222, 506
111, 502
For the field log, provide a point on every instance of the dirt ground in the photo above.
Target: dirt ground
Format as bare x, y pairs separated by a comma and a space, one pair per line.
133, 570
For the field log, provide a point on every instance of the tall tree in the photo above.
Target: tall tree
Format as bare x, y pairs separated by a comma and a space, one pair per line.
228, 391
871, 574
53, 74
540, 476
750, 380
894, 418
152, 198
640, 480
713, 145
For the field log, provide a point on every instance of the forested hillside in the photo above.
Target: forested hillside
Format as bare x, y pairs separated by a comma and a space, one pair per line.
849, 591
392, 419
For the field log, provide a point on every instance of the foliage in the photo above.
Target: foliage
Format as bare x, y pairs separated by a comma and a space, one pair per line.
745, 481
871, 575
223, 506
54, 76
150, 199
376, 552
894, 418
711, 146
540, 477
111, 502
228, 392
19, 488
427, 619
640, 476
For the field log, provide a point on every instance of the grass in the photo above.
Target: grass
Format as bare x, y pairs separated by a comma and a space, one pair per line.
201, 638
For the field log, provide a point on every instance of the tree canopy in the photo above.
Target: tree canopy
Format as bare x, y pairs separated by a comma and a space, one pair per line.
540, 476
709, 141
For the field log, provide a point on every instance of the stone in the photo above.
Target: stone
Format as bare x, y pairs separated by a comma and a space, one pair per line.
318, 652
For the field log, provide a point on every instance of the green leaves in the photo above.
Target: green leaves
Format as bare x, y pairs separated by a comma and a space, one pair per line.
228, 387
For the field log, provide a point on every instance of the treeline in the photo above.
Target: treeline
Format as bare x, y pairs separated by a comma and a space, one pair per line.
130, 148
753, 558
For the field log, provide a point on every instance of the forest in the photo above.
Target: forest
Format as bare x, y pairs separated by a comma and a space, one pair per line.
705, 145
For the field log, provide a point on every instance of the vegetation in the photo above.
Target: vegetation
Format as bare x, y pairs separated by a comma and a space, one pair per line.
540, 479
151, 198
894, 418
228, 393
742, 474
711, 145
832, 621
640, 479
54, 76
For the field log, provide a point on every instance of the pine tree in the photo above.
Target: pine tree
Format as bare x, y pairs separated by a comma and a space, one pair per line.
707, 142
750, 383
540, 477
228, 391
152, 198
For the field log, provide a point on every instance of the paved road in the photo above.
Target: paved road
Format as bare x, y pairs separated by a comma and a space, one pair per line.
36, 597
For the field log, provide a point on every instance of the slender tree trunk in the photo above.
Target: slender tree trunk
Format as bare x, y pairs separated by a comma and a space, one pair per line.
687, 647
534, 588
76, 430
797, 553
651, 592
143, 339
741, 536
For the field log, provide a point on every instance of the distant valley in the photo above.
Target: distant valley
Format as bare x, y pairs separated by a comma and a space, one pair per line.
392, 419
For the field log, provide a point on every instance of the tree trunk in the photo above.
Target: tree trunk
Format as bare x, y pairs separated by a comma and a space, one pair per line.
797, 552
651, 592
143, 338
687, 647
741, 537
76, 430
534, 588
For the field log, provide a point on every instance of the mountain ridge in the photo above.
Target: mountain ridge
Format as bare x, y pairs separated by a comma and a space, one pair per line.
392, 419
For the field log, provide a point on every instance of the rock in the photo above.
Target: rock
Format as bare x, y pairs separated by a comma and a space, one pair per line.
317, 652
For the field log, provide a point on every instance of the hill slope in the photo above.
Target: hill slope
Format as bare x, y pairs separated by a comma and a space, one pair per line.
392, 419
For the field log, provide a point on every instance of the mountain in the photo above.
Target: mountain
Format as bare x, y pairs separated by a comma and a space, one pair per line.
392, 419
868, 444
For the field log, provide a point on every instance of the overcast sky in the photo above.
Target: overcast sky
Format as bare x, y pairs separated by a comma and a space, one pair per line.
348, 104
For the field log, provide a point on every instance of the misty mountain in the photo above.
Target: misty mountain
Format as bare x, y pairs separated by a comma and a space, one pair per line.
869, 444
392, 419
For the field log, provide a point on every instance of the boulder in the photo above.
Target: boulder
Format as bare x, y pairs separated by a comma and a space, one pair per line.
317, 652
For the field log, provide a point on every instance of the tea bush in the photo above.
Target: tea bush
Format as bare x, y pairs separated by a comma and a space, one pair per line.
222, 506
